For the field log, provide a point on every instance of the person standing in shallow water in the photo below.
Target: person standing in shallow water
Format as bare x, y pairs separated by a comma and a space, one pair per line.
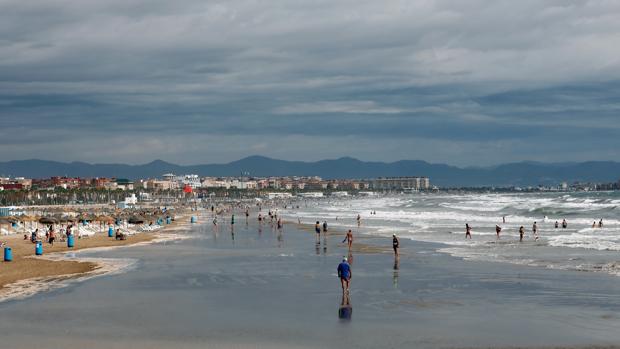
467, 231
344, 273
317, 230
395, 244
498, 229
535, 231
521, 232
349, 238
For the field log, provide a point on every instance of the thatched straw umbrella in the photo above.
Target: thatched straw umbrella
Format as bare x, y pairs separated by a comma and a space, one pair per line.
136, 220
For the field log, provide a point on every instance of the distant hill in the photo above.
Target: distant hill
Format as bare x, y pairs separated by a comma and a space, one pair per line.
517, 174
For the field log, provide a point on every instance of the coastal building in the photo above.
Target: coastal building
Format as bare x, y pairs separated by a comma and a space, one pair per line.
311, 195
124, 184
400, 183
272, 196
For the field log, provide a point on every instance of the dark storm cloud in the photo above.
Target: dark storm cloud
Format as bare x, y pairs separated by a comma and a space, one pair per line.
459, 82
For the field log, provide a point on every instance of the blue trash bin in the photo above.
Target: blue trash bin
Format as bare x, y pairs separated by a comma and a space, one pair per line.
38, 248
70, 241
8, 254
110, 232
194, 220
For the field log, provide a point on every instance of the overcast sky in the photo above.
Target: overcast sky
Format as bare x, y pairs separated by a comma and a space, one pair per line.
460, 82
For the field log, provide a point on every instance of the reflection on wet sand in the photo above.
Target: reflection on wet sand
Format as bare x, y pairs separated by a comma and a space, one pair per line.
345, 310
395, 273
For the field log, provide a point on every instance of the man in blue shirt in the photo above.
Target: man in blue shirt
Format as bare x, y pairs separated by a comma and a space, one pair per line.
344, 273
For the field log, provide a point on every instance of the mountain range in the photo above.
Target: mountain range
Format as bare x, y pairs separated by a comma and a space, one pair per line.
512, 174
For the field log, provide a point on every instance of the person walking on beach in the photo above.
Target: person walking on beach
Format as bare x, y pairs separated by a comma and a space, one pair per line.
349, 238
535, 231
344, 273
467, 231
521, 232
395, 244
317, 230
498, 229
51, 237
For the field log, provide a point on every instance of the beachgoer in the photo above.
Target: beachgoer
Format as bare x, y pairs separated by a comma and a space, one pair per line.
34, 236
232, 220
349, 238
51, 237
521, 232
279, 223
498, 229
564, 224
215, 221
260, 218
504, 219
535, 231
359, 220
467, 231
317, 230
594, 224
395, 244
344, 273
600, 223
324, 227
557, 225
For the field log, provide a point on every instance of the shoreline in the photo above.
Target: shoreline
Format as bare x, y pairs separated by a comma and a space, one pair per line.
28, 274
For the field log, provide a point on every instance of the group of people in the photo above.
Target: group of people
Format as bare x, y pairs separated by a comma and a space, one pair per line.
498, 229
50, 234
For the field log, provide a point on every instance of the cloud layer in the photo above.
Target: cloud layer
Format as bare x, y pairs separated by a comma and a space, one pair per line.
467, 83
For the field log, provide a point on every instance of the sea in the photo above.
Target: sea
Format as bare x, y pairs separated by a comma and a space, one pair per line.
441, 218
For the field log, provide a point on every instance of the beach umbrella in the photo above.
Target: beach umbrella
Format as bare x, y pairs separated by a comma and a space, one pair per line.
48, 220
135, 220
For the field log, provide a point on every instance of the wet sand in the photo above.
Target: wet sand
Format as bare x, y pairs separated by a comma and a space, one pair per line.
258, 287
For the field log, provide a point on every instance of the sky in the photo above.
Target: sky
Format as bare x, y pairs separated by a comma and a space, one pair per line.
467, 83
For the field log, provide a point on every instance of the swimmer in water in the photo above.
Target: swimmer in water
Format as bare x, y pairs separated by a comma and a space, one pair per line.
498, 229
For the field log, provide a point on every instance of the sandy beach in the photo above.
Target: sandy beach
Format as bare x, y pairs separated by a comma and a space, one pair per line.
26, 266
256, 287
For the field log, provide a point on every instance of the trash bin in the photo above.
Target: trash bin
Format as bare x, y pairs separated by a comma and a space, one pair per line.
38, 248
8, 254
194, 220
70, 241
